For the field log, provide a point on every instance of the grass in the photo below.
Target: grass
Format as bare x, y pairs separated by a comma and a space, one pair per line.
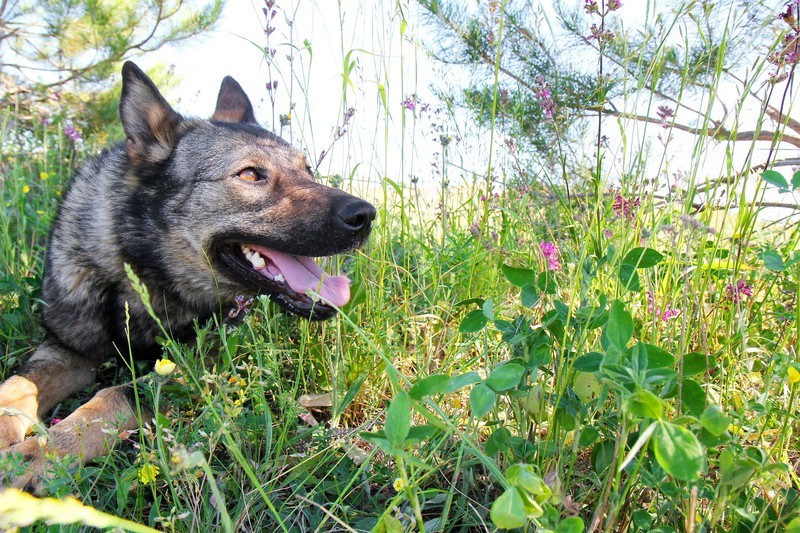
639, 375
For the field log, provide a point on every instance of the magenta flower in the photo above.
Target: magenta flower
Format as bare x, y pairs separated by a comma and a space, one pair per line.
735, 292
625, 208
665, 314
72, 132
410, 102
550, 253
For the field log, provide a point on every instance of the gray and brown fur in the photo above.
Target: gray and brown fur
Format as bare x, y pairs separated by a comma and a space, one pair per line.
168, 201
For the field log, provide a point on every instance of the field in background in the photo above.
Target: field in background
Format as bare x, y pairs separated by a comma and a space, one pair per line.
517, 353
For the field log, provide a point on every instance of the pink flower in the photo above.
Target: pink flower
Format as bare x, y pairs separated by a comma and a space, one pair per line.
735, 292
550, 253
625, 208
666, 314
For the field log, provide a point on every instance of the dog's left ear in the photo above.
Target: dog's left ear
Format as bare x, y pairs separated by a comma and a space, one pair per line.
150, 124
233, 105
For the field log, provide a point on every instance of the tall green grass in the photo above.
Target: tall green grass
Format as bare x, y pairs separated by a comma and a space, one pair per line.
513, 356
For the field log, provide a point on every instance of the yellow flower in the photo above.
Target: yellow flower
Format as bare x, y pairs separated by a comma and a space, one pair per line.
25, 189
44, 175
164, 367
794, 375
148, 473
399, 485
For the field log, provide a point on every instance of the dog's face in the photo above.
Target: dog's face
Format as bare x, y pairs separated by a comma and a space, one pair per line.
244, 212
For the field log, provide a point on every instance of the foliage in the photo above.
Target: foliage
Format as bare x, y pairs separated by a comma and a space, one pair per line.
516, 357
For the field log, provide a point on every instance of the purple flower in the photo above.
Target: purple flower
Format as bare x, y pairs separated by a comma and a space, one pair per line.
72, 132
625, 208
242, 306
666, 314
665, 112
410, 102
735, 292
550, 253
543, 93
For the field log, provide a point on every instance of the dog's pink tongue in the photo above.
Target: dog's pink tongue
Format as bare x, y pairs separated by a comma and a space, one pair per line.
303, 273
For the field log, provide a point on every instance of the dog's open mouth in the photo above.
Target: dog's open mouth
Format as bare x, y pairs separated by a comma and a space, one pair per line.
295, 282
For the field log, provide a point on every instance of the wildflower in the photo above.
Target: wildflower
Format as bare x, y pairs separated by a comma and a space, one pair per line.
148, 473
550, 253
72, 132
285, 119
602, 35
793, 374
735, 292
272, 86
607, 233
242, 306
590, 6
398, 485
164, 367
625, 208
54, 421
613, 5
25, 189
44, 175
666, 314
543, 93
664, 112
410, 102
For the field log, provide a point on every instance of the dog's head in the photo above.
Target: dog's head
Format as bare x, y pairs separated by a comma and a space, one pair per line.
234, 207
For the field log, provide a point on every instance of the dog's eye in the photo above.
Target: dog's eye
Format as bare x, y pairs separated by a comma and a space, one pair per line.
249, 174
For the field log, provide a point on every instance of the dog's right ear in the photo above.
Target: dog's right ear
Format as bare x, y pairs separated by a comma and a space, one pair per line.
233, 105
150, 124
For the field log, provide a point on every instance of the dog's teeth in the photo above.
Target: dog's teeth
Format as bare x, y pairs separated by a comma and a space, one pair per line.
246, 249
258, 261
279, 277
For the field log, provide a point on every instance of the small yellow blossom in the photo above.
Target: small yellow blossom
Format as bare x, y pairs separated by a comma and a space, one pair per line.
44, 175
399, 485
164, 367
148, 473
794, 375
25, 189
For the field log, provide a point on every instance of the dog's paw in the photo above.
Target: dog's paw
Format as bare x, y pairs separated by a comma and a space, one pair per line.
12, 430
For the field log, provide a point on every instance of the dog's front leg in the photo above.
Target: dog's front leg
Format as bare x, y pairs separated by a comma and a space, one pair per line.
90, 432
52, 374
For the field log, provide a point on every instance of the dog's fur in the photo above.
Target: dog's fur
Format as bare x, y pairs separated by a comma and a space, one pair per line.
176, 202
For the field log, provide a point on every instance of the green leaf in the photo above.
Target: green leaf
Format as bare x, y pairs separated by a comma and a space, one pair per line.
523, 477
488, 309
658, 357
714, 420
481, 400
796, 180
508, 511
398, 419
429, 386
462, 380
529, 295
519, 276
644, 404
695, 363
589, 362
419, 433
618, 331
794, 525
351, 393
474, 321
499, 441
547, 283
693, 396
775, 178
573, 524
642, 258
505, 377
678, 451
588, 436
773, 261
629, 277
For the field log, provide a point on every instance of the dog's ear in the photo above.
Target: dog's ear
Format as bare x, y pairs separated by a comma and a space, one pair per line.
233, 105
149, 122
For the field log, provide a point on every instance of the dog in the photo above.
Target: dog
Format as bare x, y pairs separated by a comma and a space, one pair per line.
203, 212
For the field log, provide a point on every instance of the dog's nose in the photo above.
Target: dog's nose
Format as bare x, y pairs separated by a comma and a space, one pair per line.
357, 215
